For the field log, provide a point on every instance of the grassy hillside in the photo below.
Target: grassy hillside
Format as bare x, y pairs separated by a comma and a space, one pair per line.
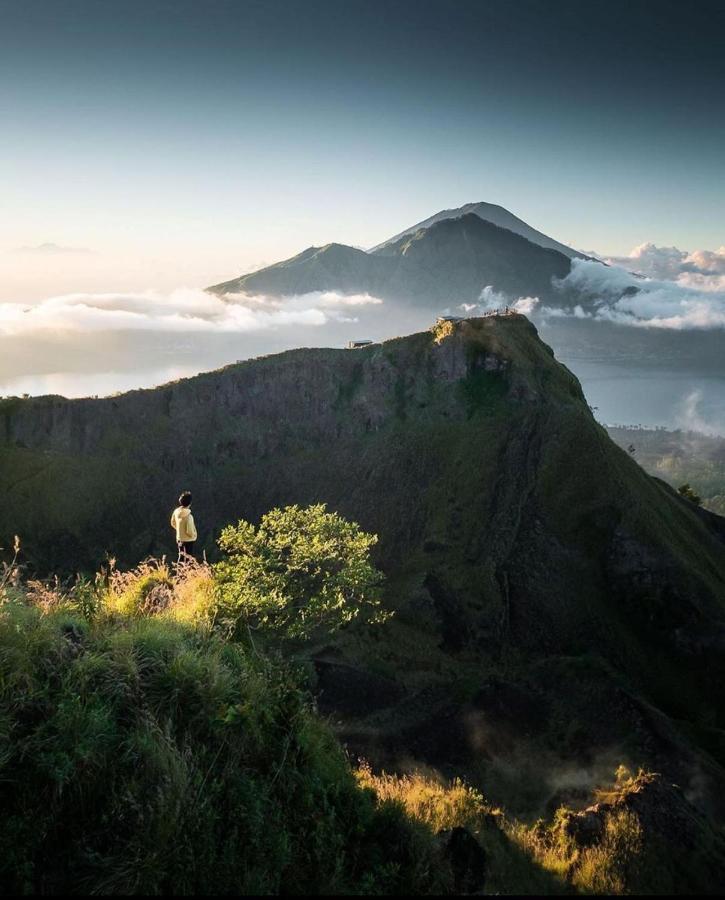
142, 751
147, 755
555, 607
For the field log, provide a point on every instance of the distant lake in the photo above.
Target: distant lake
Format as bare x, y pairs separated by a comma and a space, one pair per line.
86, 384
625, 394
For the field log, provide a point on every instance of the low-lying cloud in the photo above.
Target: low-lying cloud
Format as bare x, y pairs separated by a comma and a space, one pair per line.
613, 294
702, 269
182, 310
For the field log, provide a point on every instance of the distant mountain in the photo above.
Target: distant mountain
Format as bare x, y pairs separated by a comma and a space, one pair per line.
334, 267
443, 265
496, 215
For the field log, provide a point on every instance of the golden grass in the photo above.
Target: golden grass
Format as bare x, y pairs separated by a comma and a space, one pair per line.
439, 805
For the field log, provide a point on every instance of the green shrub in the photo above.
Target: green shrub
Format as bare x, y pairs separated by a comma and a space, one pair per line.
302, 570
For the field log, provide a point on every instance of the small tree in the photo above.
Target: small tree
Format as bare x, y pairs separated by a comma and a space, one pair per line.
301, 570
686, 491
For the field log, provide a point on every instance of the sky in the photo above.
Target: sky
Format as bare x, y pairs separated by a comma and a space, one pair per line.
160, 144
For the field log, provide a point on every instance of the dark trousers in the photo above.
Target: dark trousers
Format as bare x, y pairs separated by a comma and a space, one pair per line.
186, 550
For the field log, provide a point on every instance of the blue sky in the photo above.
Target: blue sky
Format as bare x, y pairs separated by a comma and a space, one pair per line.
184, 142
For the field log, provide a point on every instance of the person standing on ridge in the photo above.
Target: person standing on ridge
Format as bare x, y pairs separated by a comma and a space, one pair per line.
183, 521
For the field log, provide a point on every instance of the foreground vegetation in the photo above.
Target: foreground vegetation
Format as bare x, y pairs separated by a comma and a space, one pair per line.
146, 755
154, 738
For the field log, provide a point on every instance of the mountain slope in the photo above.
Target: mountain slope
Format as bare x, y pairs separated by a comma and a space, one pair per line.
332, 267
552, 600
494, 214
442, 266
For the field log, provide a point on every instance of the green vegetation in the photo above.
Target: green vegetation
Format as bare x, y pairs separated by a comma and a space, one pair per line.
148, 747
301, 571
630, 841
552, 603
141, 752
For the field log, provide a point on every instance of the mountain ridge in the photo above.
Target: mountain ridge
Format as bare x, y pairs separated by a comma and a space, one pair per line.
527, 557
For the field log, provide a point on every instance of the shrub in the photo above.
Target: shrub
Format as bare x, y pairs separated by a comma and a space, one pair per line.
302, 570
684, 490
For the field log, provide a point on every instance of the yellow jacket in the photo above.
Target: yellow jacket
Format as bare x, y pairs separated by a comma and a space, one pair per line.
183, 521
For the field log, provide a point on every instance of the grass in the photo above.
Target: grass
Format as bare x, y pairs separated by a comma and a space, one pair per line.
140, 754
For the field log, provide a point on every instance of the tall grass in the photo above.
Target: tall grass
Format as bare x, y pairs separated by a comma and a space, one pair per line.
142, 753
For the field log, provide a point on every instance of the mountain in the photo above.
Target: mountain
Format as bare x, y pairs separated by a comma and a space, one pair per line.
444, 265
555, 606
494, 214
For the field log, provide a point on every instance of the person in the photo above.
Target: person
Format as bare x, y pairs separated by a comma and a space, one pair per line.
183, 521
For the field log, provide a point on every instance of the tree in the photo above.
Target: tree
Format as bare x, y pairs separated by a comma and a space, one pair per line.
301, 570
686, 491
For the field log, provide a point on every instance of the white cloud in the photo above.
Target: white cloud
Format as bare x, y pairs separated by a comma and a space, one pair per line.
617, 295
490, 299
613, 294
182, 310
673, 264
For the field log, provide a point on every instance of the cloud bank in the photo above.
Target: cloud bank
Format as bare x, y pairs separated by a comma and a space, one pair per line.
184, 310
702, 269
613, 294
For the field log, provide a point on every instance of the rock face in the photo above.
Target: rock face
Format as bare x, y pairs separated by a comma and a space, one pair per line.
521, 546
679, 850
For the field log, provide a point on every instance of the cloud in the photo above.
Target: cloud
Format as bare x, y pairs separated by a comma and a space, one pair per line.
616, 295
673, 264
51, 249
183, 310
490, 299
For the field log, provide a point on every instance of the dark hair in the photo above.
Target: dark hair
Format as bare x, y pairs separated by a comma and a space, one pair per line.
185, 498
